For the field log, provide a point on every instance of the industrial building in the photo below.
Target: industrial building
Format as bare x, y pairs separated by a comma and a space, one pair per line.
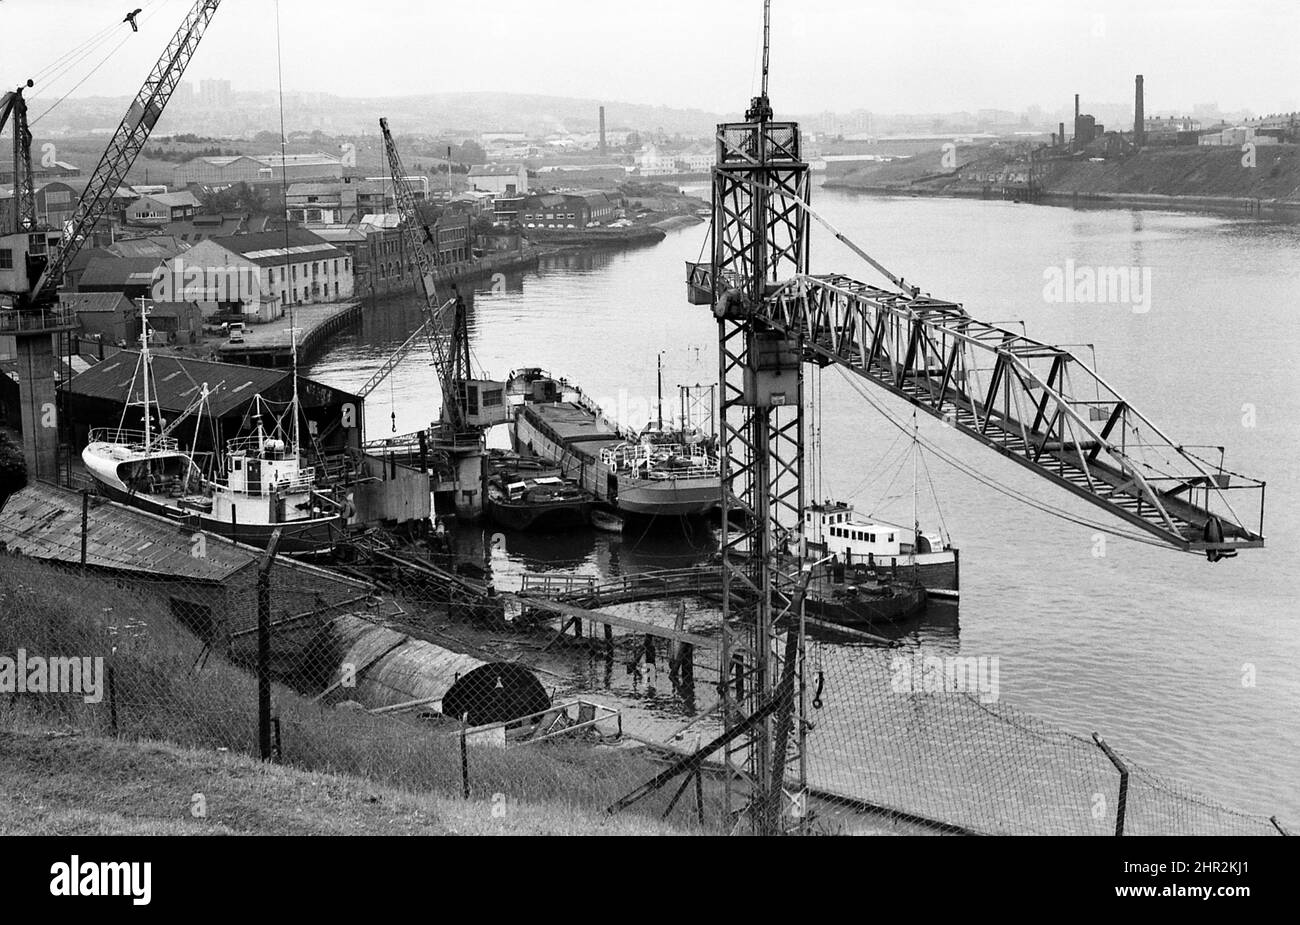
103, 394
246, 168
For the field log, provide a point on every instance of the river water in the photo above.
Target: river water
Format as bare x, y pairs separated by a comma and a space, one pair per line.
1191, 669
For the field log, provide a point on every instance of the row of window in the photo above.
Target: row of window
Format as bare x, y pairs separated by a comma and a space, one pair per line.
845, 533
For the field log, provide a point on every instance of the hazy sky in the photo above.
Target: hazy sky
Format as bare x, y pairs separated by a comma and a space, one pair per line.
882, 55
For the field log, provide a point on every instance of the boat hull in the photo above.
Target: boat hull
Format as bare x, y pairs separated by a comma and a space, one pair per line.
852, 610
641, 498
934, 571
542, 518
297, 537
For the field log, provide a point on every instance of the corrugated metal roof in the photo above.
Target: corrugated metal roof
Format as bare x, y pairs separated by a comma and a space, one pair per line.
495, 170
95, 302
44, 522
120, 272
268, 248
176, 381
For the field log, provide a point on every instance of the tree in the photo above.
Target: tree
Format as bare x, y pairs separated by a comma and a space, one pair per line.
13, 469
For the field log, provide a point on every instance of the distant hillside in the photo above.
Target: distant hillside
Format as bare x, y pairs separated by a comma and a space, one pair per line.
467, 113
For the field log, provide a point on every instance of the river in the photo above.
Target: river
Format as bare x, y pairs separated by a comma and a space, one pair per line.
1189, 668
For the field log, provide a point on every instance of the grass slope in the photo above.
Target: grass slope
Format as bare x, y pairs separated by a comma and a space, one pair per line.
74, 785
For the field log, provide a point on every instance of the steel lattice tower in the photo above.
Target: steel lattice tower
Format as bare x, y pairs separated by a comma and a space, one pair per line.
760, 236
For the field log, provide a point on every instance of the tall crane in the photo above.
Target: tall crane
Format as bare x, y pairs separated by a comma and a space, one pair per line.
469, 405
34, 259
1032, 402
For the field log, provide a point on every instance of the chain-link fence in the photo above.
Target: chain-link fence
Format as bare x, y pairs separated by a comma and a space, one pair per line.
927, 736
403, 671
319, 671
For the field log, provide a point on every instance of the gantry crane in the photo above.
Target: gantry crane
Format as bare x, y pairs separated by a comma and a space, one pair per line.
1035, 403
36, 258
469, 405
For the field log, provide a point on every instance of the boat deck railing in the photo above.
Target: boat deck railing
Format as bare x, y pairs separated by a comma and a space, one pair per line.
134, 440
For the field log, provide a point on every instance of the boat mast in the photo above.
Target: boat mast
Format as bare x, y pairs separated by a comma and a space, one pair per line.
916, 449
145, 363
293, 337
659, 389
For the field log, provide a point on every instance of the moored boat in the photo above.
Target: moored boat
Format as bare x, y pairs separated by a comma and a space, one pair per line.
543, 503
260, 485
653, 474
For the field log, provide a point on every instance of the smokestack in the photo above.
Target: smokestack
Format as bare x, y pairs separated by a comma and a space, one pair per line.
1076, 108
604, 150
1139, 114
1061, 128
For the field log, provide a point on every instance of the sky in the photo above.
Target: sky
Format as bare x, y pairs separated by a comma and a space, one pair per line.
886, 56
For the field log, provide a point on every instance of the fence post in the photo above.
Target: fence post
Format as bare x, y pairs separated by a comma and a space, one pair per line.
85, 526
1123, 782
464, 763
264, 646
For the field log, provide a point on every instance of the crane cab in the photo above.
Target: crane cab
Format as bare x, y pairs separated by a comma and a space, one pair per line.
23, 257
485, 403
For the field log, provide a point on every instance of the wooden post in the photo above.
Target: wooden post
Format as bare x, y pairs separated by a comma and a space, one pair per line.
609, 637
264, 646
85, 526
464, 761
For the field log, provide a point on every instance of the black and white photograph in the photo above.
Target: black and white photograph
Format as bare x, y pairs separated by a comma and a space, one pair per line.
546, 418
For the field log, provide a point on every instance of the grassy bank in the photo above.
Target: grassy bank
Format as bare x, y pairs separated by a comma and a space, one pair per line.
74, 785
168, 688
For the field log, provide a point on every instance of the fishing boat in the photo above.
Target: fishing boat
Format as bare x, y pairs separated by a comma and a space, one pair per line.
260, 484
871, 548
524, 494
657, 472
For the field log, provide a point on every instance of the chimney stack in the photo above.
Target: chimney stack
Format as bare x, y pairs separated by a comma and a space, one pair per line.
1061, 128
604, 150
1139, 114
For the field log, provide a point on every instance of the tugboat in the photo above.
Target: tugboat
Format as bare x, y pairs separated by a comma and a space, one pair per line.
524, 497
655, 473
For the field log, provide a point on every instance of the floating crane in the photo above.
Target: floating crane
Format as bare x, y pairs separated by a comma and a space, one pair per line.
1033, 402
36, 258
469, 405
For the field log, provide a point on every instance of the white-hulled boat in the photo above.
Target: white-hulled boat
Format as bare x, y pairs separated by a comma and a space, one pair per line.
260, 487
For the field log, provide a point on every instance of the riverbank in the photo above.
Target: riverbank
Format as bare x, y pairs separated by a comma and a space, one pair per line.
1284, 210
1262, 182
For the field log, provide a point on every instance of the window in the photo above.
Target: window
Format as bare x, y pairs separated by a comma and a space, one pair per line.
6, 258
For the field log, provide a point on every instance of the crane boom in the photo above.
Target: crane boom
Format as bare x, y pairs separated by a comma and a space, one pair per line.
14, 105
395, 358
132, 133
448, 344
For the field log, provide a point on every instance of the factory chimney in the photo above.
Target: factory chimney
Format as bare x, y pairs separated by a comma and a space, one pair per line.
1061, 128
1139, 114
604, 150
